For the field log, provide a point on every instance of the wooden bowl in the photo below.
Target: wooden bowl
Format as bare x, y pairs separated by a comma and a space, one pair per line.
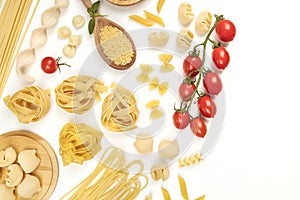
124, 2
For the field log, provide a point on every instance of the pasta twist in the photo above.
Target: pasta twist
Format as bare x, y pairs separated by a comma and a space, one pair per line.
29, 104
119, 110
190, 160
78, 143
77, 93
38, 38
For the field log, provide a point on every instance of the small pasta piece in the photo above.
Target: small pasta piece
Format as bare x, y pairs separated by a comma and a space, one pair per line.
64, 32
158, 39
146, 68
156, 114
183, 189
159, 171
168, 149
166, 68
190, 160
143, 78
154, 18
203, 23
165, 57
148, 197
152, 104
185, 14
69, 51
166, 194
184, 39
201, 198
159, 6
75, 40
143, 143
154, 83
78, 21
163, 88
141, 20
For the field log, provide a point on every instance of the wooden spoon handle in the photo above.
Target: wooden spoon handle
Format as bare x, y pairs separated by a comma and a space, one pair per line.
87, 3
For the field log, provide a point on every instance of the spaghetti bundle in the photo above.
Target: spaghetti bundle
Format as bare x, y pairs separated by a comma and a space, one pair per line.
78, 143
29, 104
110, 179
119, 110
12, 19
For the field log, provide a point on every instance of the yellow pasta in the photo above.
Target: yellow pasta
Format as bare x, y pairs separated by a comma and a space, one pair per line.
166, 68
190, 160
146, 68
148, 197
154, 18
141, 20
111, 179
166, 59
162, 87
143, 78
183, 189
29, 104
159, 171
152, 104
166, 194
78, 143
119, 110
77, 93
201, 198
156, 114
159, 6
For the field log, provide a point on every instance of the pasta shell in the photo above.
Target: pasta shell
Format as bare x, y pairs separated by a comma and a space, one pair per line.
185, 14
75, 40
50, 16
203, 23
184, 39
158, 39
78, 21
38, 38
64, 32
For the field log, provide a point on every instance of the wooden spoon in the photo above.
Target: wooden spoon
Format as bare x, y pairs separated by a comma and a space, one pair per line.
102, 22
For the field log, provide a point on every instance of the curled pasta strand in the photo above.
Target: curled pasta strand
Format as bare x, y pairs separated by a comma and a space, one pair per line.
38, 38
190, 160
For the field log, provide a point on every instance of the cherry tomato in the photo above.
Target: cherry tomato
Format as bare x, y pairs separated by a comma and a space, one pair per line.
191, 63
181, 119
225, 30
207, 106
221, 57
49, 65
186, 91
212, 83
198, 127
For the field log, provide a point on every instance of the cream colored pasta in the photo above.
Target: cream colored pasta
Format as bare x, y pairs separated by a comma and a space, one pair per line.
14, 175
64, 32
7, 193
78, 143
78, 21
143, 143
69, 51
29, 104
119, 110
158, 38
184, 39
78, 93
190, 160
38, 38
7, 156
168, 149
75, 40
29, 186
160, 171
28, 160
185, 14
203, 23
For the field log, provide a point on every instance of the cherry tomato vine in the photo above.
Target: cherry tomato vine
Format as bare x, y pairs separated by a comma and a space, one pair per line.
194, 69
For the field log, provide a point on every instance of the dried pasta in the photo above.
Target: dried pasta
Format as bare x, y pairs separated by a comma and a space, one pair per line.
141, 20
162, 87
190, 160
184, 39
168, 149
78, 143
160, 171
69, 51
29, 104
203, 23
111, 179
146, 69
144, 77
154, 18
75, 40
155, 112
119, 110
38, 38
201, 198
148, 197
158, 39
166, 59
185, 14
143, 143
165, 193
152, 104
64, 32
183, 189
159, 5
78, 21
77, 93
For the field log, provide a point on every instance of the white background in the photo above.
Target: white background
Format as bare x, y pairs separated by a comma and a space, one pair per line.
257, 156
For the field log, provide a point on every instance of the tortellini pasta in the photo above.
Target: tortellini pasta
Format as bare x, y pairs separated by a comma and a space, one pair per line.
203, 23
78, 21
158, 39
185, 14
7, 157
64, 32
75, 40
69, 51
184, 39
14, 175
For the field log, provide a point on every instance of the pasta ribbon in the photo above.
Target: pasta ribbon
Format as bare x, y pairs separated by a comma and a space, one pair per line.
119, 110
78, 143
162, 87
154, 18
29, 104
141, 20
77, 93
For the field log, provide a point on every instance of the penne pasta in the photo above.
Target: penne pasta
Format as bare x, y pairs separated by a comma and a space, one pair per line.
165, 193
154, 18
141, 20
159, 6
183, 189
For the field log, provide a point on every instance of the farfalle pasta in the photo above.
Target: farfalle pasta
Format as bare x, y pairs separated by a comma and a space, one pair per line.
38, 38
78, 143
166, 58
185, 14
184, 39
78, 93
162, 87
29, 104
158, 39
203, 23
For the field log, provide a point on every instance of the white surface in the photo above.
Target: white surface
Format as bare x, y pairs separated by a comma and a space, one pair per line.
257, 156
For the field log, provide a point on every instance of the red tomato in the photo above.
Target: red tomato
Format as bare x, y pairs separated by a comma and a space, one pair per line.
186, 91
212, 83
207, 106
181, 119
191, 63
198, 127
49, 65
225, 30
221, 57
